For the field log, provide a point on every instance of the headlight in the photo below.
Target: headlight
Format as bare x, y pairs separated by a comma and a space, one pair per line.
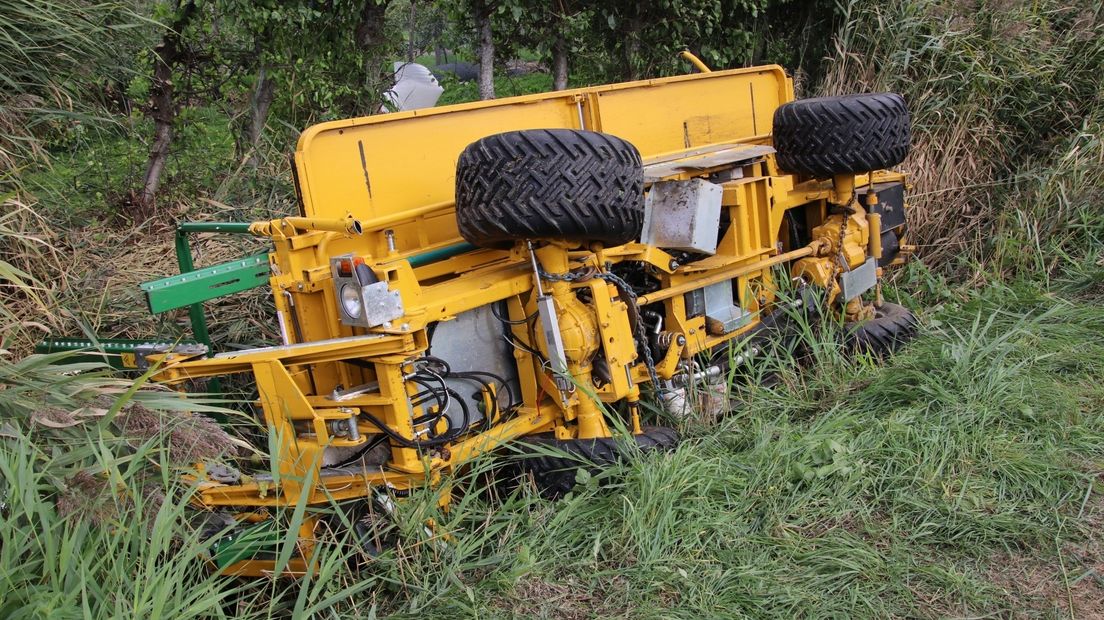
351, 302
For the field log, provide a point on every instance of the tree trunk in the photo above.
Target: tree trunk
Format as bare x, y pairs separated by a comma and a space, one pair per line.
486, 49
632, 47
413, 26
162, 110
559, 62
264, 90
369, 29
440, 54
370, 39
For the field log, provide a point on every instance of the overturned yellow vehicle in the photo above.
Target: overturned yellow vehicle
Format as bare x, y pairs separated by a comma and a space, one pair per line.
528, 270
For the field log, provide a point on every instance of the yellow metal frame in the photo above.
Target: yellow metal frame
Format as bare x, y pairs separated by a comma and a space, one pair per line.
381, 188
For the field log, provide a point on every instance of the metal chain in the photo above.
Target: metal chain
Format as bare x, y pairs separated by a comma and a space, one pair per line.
582, 275
641, 334
627, 293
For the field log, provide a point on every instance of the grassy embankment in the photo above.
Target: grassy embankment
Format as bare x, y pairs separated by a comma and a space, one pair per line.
962, 478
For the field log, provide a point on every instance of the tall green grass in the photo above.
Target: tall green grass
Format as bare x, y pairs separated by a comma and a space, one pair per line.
54, 56
1002, 95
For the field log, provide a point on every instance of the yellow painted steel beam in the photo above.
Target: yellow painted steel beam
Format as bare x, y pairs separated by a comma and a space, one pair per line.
529, 420
316, 352
720, 275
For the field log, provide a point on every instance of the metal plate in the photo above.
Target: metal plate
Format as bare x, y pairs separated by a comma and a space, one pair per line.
722, 316
381, 304
890, 205
859, 280
474, 341
207, 283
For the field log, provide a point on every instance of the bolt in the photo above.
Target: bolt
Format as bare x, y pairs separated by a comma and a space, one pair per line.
405, 327
681, 340
673, 265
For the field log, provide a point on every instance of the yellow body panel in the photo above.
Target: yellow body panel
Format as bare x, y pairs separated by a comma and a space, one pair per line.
397, 171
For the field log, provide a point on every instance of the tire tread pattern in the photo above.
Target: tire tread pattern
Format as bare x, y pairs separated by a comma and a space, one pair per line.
850, 134
549, 184
893, 325
555, 475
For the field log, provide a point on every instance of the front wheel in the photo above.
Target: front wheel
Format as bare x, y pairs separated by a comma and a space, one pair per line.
554, 474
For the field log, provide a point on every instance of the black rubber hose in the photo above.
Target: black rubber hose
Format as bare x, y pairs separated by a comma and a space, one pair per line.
507, 321
509, 390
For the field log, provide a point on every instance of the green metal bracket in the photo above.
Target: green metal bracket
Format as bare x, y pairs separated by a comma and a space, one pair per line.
195, 287
119, 353
254, 541
184, 261
191, 288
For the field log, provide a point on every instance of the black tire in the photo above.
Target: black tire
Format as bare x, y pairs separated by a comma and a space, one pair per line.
892, 326
549, 184
825, 136
554, 476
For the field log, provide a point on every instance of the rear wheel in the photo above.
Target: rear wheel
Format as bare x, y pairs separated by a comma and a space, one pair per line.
893, 325
549, 184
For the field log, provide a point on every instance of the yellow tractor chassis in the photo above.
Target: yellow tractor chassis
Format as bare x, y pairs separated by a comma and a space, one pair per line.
380, 190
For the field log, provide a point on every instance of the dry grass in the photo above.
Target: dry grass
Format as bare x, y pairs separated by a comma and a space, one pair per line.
992, 89
88, 282
540, 597
188, 437
1067, 584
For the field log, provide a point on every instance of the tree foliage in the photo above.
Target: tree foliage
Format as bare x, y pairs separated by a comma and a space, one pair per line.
271, 67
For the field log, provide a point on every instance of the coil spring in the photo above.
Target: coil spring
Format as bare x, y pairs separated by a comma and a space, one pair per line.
665, 339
